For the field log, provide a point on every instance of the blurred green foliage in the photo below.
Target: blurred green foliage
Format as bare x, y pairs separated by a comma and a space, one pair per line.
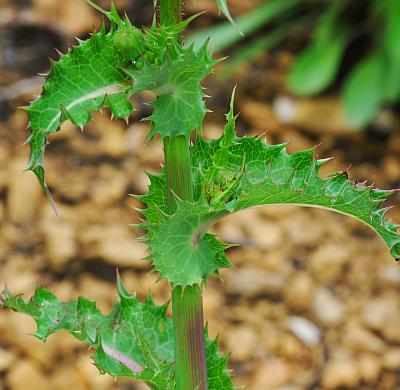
354, 44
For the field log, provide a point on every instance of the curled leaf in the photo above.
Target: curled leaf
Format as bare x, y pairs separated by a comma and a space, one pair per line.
135, 340
233, 173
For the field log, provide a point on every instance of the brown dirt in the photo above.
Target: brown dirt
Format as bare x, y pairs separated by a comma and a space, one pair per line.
313, 301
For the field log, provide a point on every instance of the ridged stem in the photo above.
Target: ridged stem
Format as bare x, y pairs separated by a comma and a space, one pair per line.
187, 304
170, 12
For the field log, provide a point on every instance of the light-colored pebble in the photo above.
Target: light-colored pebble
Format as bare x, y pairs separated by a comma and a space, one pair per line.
340, 373
27, 374
250, 282
305, 330
327, 308
383, 314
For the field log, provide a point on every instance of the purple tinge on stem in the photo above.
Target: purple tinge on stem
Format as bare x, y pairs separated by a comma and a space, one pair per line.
122, 358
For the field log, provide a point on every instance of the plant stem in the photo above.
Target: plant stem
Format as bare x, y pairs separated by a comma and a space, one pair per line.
170, 12
191, 370
187, 304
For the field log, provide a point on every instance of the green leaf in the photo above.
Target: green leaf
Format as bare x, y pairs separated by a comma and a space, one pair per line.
223, 7
84, 80
223, 35
100, 71
363, 92
134, 340
316, 67
392, 29
392, 81
243, 57
179, 107
234, 173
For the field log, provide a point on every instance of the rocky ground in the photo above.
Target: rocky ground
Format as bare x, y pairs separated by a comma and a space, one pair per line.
313, 301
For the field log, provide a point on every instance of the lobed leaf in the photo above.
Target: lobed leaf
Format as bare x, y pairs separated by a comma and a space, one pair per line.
179, 107
233, 173
134, 340
106, 69
85, 79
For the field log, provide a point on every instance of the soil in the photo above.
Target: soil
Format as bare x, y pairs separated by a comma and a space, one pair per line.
313, 300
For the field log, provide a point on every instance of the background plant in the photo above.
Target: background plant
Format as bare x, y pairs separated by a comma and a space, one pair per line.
199, 185
369, 77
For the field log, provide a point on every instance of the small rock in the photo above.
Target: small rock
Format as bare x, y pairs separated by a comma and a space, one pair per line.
123, 251
115, 244
269, 375
301, 229
136, 136
213, 301
250, 282
299, 291
360, 339
391, 167
327, 308
61, 243
242, 342
391, 359
266, 235
370, 368
6, 359
305, 330
16, 330
327, 262
382, 314
26, 375
290, 387
230, 231
113, 140
66, 378
24, 194
341, 372
318, 115
2, 212
285, 345
390, 273
260, 115
109, 188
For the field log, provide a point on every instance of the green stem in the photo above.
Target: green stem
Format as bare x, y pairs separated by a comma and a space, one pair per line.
177, 164
170, 12
187, 307
187, 304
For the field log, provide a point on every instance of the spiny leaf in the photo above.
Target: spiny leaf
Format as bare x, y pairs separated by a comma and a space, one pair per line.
85, 79
134, 340
272, 177
234, 173
99, 72
179, 107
